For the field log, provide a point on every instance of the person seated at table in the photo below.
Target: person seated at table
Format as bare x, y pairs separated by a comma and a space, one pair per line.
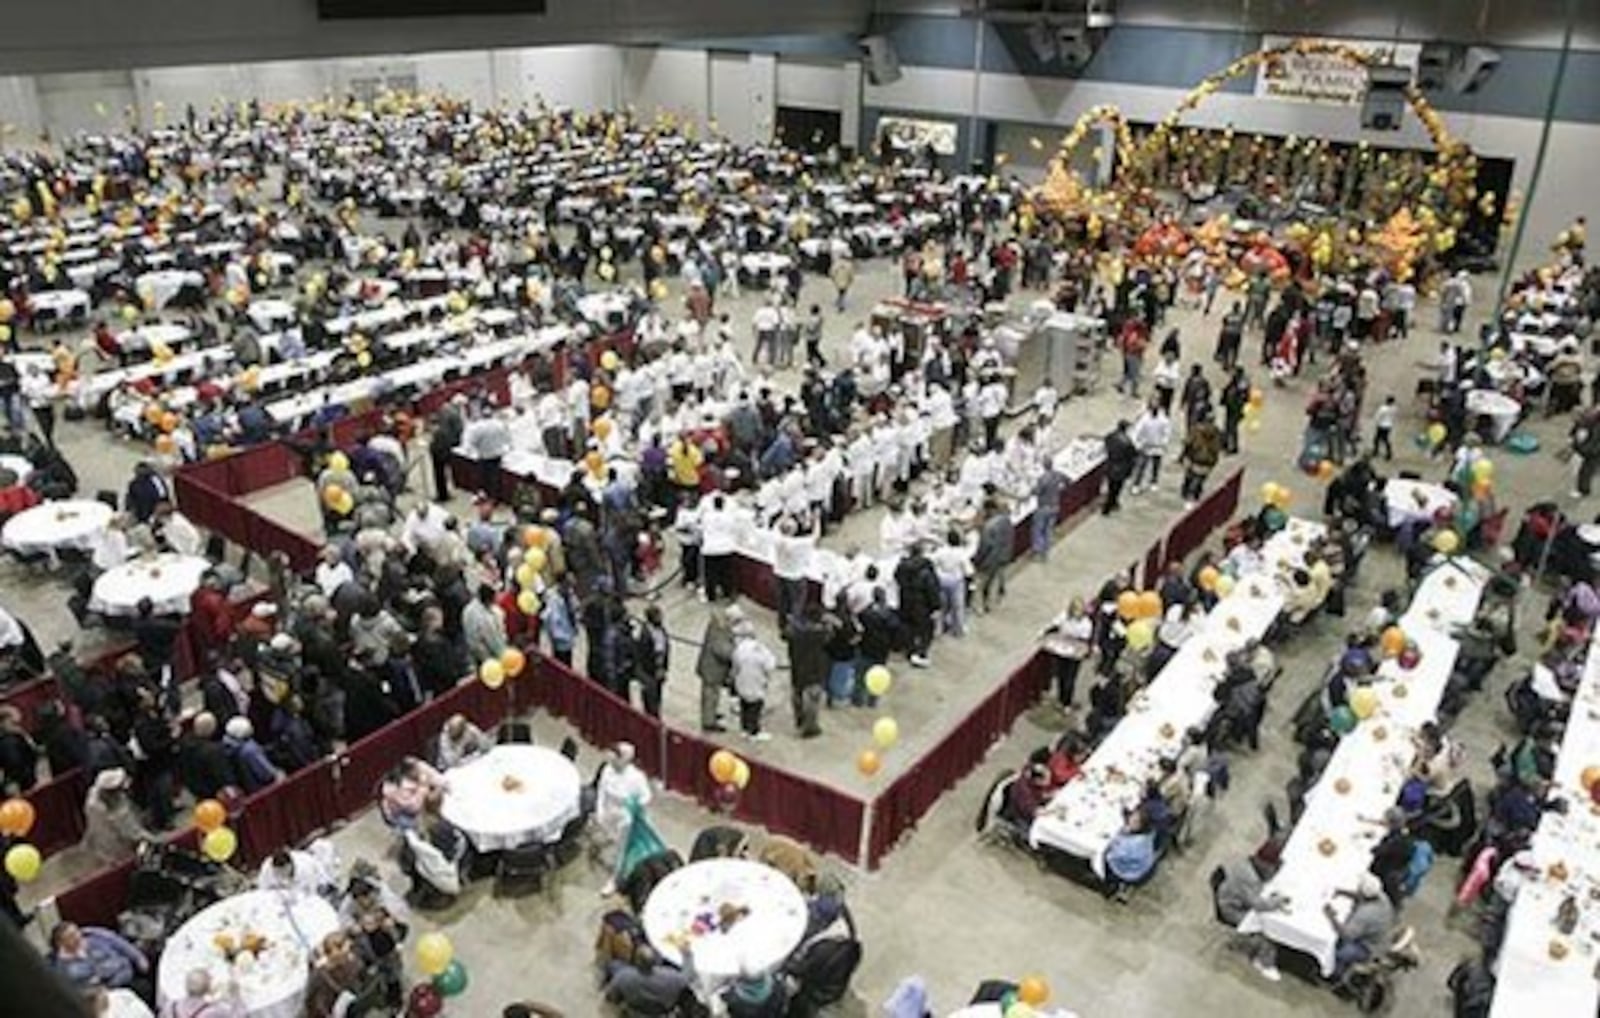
1066, 757
460, 741
91, 956
1565, 372
750, 995
792, 859
644, 985
1243, 891
201, 1000
377, 937
404, 791
1303, 598
1107, 704
112, 829
530, 1009
15, 496
1130, 855
341, 982
1030, 791
367, 890
20, 655
298, 872
1364, 933
1391, 856
175, 533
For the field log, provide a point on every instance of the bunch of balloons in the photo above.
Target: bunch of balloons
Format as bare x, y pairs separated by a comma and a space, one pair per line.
1252, 409
1276, 496
22, 859
885, 730
732, 775
217, 841
495, 671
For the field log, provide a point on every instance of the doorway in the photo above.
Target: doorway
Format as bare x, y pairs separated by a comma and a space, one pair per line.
808, 130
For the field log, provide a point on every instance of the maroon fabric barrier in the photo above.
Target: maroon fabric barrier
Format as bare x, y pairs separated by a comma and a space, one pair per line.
287, 813
264, 536
1196, 527
262, 466
1081, 494
597, 713
361, 768
755, 580
1154, 563
822, 817
27, 696
58, 812
914, 792
96, 900
205, 505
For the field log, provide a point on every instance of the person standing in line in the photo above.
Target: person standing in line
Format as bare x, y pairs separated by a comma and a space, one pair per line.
1047, 508
994, 552
1152, 433
753, 664
714, 666
1383, 420
1202, 448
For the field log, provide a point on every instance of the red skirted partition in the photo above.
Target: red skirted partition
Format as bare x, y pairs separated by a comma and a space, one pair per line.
599, 715
360, 769
287, 813
1197, 525
97, 899
822, 817
262, 466
266, 536
1154, 562
58, 812
914, 792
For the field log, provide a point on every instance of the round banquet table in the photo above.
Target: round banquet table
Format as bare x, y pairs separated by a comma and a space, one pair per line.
272, 982
70, 523
124, 1004
495, 817
759, 942
167, 580
992, 1010
1501, 410
1415, 500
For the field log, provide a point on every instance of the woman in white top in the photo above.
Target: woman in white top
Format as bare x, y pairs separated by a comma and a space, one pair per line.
952, 563
1069, 640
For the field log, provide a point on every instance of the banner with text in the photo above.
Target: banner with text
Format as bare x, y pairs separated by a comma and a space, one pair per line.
1326, 77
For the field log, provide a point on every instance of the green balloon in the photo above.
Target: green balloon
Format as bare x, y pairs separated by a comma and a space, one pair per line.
452, 980
1343, 720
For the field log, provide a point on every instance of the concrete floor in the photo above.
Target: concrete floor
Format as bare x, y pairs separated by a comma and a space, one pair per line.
942, 905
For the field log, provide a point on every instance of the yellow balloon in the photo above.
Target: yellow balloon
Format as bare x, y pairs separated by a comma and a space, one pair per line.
1446, 542
434, 953
610, 361
1436, 433
885, 732
527, 576
1363, 702
528, 603
220, 844
23, 863
493, 673
534, 559
741, 773
1141, 634
338, 461
878, 680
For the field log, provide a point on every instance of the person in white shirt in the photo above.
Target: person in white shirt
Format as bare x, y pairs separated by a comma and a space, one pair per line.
1152, 434
764, 323
896, 531
299, 873
1045, 400
791, 558
332, 572
718, 542
952, 563
621, 785
1383, 421
753, 665
991, 405
177, 533
1069, 639
111, 545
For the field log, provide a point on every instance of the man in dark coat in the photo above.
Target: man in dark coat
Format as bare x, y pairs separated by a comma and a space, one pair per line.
1120, 459
920, 601
809, 664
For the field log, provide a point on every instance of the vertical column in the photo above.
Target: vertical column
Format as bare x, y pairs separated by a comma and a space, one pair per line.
850, 105
763, 84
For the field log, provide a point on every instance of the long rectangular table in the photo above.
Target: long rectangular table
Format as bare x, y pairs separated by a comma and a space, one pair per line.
1332, 844
1530, 981
1081, 819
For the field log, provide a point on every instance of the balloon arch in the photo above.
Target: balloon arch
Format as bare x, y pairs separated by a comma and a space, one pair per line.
1425, 222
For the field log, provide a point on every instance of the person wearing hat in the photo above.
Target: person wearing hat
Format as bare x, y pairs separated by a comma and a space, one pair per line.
250, 760
621, 783
201, 1000
111, 828
1364, 933
1243, 891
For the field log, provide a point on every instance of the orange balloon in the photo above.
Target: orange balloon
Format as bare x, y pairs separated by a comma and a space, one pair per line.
1128, 604
209, 814
1588, 779
513, 661
169, 421
1033, 991
724, 765
16, 817
1149, 605
1208, 578
868, 762
1393, 641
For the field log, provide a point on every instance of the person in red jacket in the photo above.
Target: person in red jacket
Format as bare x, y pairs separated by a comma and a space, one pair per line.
210, 616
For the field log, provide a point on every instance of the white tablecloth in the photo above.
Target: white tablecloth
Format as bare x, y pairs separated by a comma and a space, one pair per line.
71, 523
765, 262
1084, 815
1332, 844
1501, 410
125, 1004
271, 314
167, 580
158, 288
1530, 981
495, 817
171, 334
59, 303
274, 984
609, 310
758, 942
1415, 500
